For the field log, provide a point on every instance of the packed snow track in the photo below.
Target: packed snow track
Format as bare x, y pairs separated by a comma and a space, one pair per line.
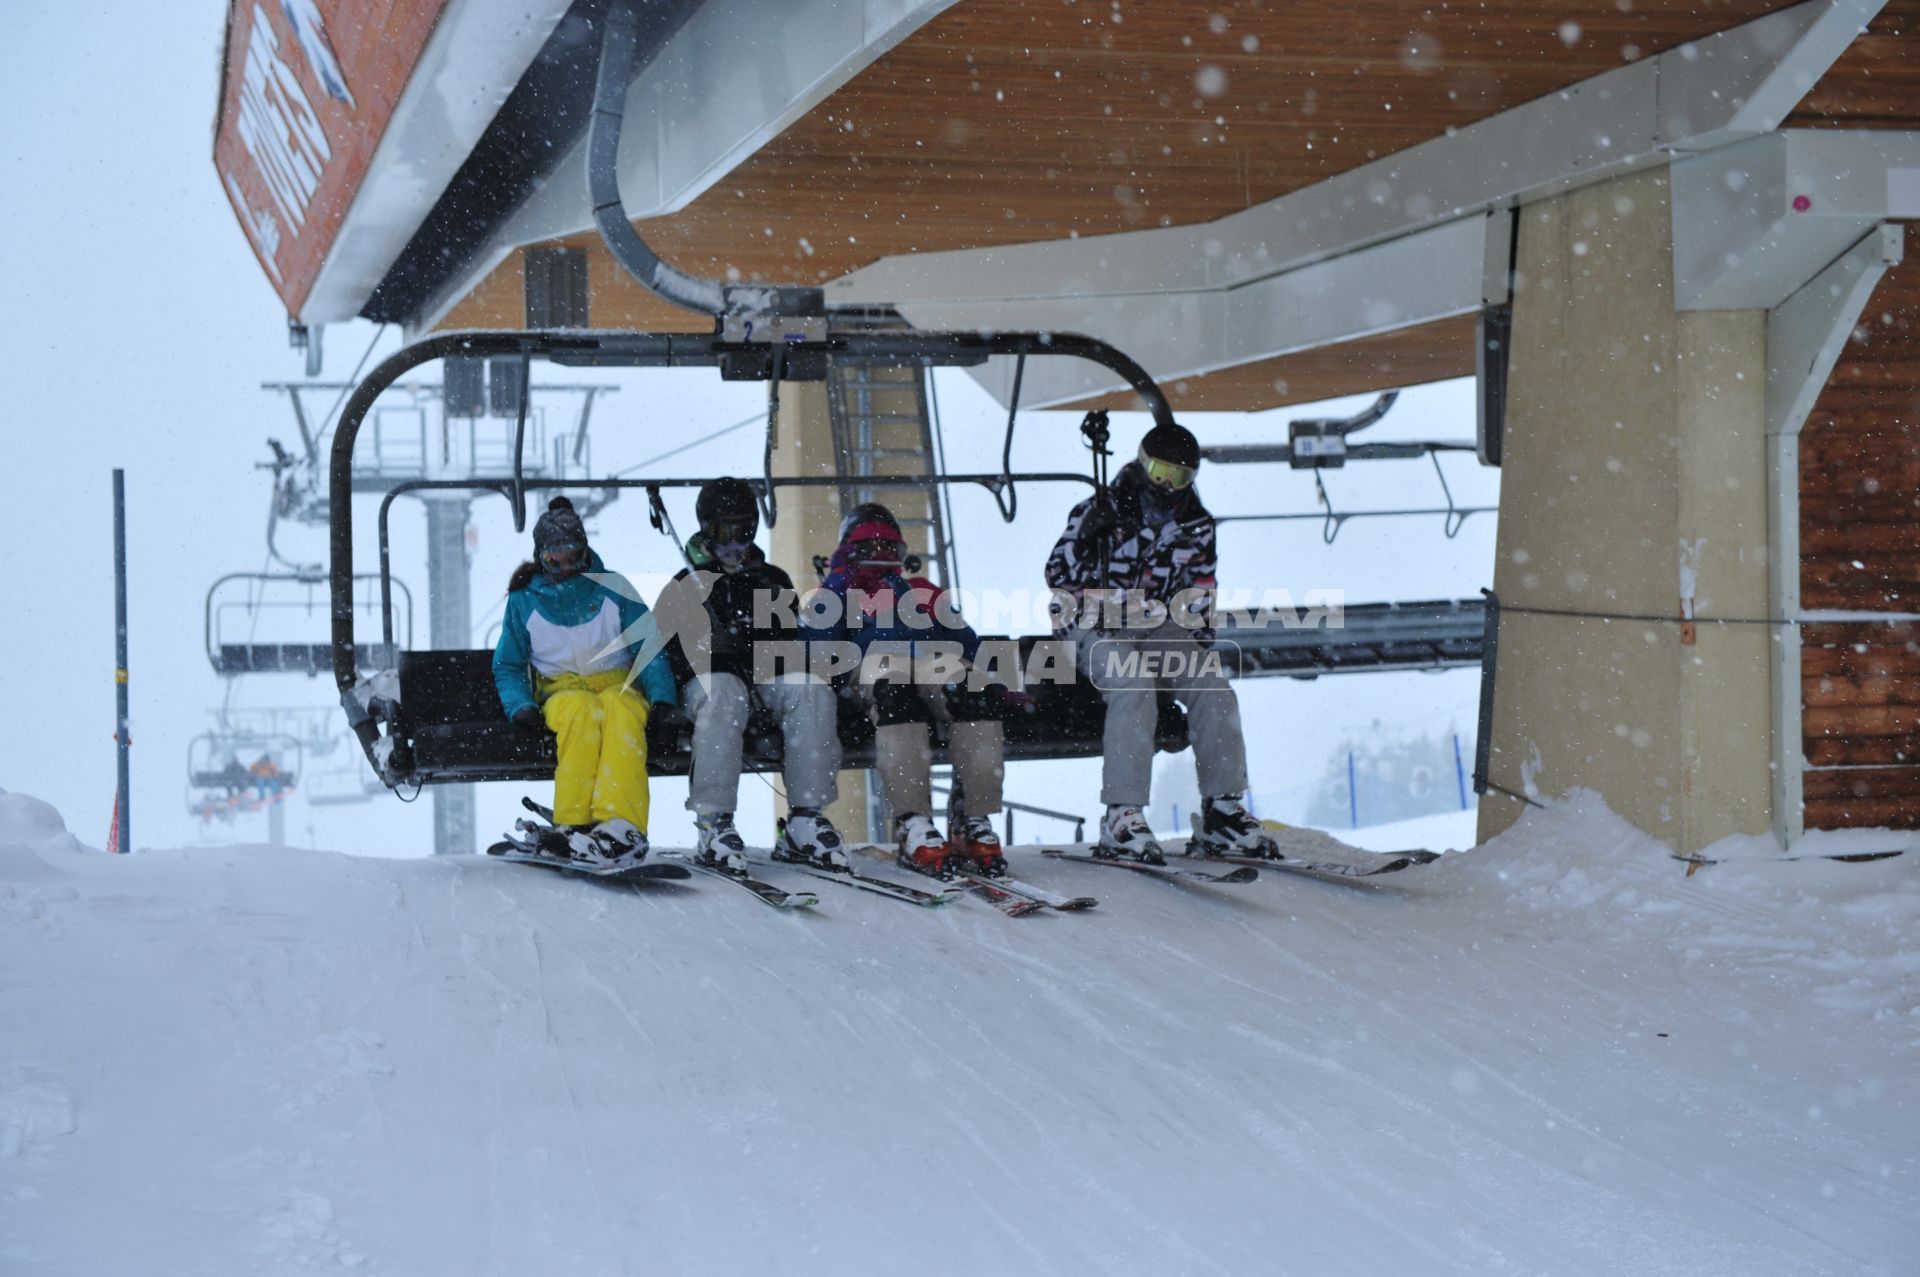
1554, 1054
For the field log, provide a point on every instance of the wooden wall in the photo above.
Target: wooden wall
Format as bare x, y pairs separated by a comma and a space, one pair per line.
1860, 552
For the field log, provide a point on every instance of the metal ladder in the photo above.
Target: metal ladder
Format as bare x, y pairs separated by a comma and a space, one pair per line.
884, 450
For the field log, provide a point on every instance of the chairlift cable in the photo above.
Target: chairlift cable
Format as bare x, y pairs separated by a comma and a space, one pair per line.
742, 424
326, 422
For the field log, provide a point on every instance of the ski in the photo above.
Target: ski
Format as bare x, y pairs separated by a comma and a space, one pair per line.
1844, 857
1353, 862
989, 890
685, 866
1172, 873
1007, 902
878, 886
1392, 863
766, 892
1316, 852
1027, 891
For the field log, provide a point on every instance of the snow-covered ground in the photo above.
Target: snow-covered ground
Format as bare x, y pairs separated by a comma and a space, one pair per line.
1553, 1054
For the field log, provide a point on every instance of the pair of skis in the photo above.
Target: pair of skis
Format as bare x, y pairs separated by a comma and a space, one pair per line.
668, 866
1010, 896
1354, 863
672, 865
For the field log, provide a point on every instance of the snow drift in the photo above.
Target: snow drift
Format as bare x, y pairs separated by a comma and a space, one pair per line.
1553, 1054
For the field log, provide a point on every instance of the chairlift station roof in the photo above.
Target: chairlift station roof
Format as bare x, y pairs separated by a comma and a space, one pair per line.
392, 160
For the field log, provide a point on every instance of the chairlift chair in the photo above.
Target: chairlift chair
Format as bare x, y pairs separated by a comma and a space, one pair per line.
434, 717
237, 602
221, 785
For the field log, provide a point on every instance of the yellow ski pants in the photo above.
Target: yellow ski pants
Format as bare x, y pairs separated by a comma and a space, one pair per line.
602, 726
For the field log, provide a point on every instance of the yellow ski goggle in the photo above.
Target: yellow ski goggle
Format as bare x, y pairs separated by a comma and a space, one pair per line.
1166, 474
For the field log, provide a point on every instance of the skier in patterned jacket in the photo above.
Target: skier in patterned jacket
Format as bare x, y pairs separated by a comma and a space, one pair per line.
565, 664
1137, 566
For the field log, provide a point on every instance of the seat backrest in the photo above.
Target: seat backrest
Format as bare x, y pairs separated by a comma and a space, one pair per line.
454, 686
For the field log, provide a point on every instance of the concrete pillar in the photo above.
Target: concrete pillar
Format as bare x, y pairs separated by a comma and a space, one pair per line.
1634, 475
450, 602
808, 524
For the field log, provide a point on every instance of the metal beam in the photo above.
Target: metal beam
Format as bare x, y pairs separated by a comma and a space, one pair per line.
1805, 335
1754, 221
449, 602
1435, 274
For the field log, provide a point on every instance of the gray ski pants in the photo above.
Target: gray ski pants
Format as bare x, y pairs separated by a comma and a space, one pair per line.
903, 752
903, 755
802, 705
1133, 710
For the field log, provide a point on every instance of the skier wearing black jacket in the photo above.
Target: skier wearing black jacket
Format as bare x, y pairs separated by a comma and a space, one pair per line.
1144, 542
729, 575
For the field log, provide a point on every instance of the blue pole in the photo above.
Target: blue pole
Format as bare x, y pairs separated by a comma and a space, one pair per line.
124, 798
1353, 794
1459, 771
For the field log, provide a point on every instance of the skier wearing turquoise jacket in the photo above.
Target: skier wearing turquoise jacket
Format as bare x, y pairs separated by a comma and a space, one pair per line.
565, 664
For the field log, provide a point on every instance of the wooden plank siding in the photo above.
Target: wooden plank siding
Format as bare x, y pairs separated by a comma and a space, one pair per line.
1860, 552
1007, 121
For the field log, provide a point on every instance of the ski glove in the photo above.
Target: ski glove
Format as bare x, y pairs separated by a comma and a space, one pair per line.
1099, 518
528, 718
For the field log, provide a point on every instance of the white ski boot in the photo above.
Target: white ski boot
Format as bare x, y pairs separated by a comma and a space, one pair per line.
720, 844
609, 844
919, 846
1125, 835
807, 837
1224, 827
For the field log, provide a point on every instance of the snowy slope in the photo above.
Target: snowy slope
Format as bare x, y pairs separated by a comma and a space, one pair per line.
1552, 1054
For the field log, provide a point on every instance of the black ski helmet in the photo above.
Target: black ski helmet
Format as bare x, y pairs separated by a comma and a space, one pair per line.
868, 512
728, 503
1172, 442
560, 540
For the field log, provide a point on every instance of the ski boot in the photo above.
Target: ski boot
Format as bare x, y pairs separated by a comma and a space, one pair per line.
808, 838
557, 841
1224, 827
609, 844
1125, 835
720, 844
972, 843
919, 846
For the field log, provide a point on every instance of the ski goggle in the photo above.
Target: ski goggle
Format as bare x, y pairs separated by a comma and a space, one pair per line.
1167, 474
728, 532
731, 553
565, 559
877, 553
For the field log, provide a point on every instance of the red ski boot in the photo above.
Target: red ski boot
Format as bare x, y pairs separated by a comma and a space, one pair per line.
972, 844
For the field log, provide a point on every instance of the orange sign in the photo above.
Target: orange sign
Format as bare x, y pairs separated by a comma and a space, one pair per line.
307, 90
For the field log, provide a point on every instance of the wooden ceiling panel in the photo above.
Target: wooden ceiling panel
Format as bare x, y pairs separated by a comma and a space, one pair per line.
1007, 121
1004, 121
1876, 82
